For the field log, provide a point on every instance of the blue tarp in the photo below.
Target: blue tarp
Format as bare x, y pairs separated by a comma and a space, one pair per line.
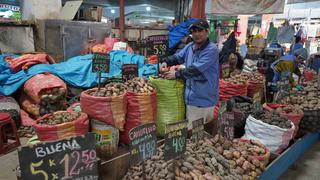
178, 32
75, 71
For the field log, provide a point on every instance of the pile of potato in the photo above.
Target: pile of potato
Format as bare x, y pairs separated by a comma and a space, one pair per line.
307, 99
209, 159
59, 118
245, 107
242, 155
250, 76
139, 85
272, 118
289, 109
111, 89
26, 131
52, 100
237, 79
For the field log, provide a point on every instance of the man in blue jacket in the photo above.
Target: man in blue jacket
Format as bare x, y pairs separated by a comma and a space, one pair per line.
201, 73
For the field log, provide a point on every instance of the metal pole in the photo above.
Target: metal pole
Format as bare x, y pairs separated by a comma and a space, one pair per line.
121, 21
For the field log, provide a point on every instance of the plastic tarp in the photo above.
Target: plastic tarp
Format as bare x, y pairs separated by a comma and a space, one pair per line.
236, 7
179, 31
76, 71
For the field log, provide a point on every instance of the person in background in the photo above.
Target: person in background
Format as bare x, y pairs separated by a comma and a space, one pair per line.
298, 45
201, 73
286, 65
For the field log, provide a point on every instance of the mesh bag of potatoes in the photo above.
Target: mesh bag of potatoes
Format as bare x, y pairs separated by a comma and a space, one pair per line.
61, 125
43, 94
108, 105
142, 105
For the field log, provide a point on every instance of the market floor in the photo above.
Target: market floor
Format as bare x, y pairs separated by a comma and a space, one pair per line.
306, 168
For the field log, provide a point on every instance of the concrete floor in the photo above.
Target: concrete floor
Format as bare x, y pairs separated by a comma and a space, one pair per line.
306, 168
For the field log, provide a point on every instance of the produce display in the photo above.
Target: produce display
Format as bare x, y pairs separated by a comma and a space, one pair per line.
289, 109
247, 157
237, 79
52, 100
59, 118
250, 76
211, 159
139, 85
272, 118
245, 107
26, 131
111, 89
307, 99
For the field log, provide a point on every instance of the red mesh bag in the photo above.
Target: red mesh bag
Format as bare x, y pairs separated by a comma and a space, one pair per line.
142, 109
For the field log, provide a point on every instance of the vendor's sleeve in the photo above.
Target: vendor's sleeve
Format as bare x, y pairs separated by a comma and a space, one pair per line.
277, 73
207, 59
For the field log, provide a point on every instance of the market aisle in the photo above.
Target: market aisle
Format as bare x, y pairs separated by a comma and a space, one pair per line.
307, 167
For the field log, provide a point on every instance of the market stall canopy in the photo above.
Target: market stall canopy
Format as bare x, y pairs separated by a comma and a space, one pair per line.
237, 7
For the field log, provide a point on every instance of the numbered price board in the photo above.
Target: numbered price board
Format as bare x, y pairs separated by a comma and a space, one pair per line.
197, 130
157, 45
68, 159
175, 140
143, 142
226, 125
129, 71
100, 63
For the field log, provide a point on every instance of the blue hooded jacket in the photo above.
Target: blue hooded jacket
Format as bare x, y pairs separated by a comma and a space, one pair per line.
201, 73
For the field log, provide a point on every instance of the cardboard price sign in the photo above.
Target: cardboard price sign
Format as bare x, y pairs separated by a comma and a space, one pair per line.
157, 45
143, 142
129, 71
69, 159
175, 140
100, 63
197, 130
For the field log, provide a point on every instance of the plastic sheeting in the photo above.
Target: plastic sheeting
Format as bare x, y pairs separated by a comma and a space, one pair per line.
76, 71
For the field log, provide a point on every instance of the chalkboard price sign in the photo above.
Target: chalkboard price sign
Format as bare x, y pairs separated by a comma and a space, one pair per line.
197, 130
157, 45
129, 71
100, 63
143, 142
175, 140
226, 125
67, 159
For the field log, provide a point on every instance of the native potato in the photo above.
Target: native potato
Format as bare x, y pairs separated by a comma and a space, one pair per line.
59, 118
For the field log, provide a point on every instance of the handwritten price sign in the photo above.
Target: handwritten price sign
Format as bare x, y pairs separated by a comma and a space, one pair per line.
100, 63
157, 45
197, 130
129, 71
226, 124
143, 142
68, 159
175, 140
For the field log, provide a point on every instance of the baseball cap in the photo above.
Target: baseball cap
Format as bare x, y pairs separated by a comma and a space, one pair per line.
302, 52
201, 24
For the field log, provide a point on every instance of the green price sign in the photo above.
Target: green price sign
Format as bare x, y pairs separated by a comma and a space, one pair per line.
100, 63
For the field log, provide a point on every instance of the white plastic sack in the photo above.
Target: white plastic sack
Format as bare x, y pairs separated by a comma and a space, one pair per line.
273, 137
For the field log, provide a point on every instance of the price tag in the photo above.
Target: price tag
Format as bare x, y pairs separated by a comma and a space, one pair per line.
256, 100
129, 71
197, 130
226, 125
69, 159
143, 142
175, 140
100, 63
157, 45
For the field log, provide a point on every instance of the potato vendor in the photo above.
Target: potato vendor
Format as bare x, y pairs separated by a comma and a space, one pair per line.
286, 65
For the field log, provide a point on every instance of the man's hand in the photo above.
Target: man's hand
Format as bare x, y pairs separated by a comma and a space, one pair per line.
171, 74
